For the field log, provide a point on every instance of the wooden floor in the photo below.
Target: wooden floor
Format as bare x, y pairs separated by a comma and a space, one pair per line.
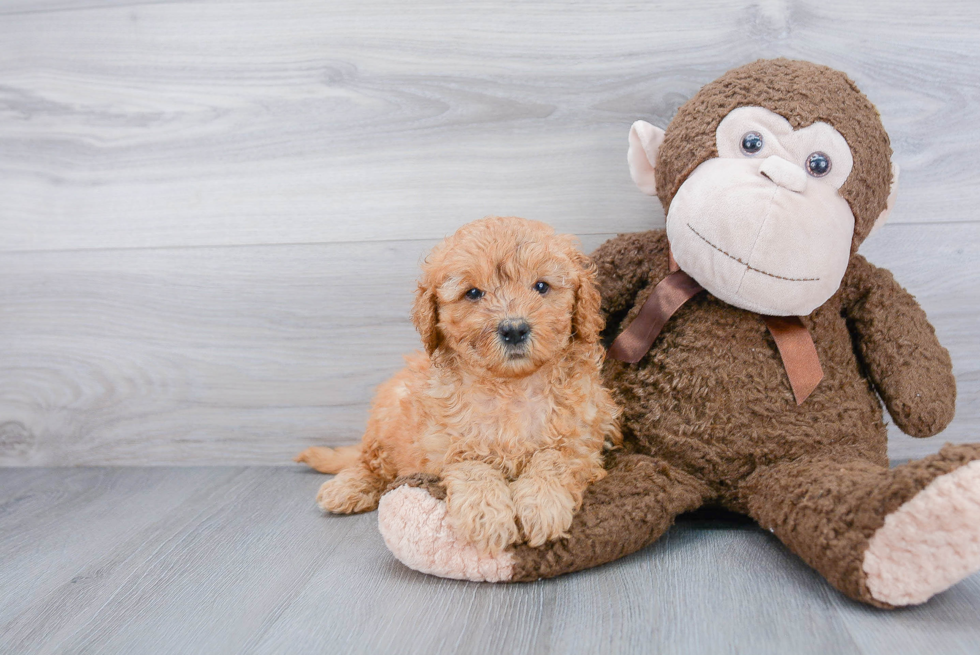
231, 560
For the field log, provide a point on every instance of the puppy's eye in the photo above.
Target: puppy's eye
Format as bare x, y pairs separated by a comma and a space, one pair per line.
474, 294
541, 287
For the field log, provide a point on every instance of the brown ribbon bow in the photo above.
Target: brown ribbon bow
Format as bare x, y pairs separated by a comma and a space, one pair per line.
793, 340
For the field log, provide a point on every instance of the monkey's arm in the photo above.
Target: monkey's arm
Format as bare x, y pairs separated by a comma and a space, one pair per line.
911, 371
626, 264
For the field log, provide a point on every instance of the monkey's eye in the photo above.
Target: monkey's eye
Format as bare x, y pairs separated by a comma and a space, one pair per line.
751, 143
541, 287
818, 164
474, 294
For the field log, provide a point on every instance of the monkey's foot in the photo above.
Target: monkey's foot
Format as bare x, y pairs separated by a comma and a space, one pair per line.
929, 543
416, 529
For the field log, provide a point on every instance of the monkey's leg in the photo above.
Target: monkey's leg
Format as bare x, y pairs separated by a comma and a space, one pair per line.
628, 509
887, 537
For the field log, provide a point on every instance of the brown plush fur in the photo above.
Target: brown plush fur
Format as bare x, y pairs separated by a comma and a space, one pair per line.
709, 414
515, 433
720, 425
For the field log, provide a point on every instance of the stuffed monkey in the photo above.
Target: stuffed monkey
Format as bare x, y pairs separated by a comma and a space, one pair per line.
762, 347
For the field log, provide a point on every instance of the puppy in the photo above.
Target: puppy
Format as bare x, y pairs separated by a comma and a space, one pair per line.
506, 405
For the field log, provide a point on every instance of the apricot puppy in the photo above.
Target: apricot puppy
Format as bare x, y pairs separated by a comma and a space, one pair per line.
506, 405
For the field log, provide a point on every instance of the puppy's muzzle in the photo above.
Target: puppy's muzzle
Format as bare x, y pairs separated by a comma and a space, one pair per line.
514, 333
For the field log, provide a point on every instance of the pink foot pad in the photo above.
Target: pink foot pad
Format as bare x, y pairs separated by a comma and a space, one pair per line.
416, 530
928, 544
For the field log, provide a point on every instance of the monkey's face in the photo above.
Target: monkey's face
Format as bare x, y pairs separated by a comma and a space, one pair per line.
762, 226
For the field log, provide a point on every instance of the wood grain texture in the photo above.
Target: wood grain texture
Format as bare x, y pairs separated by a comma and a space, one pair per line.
131, 124
213, 212
232, 560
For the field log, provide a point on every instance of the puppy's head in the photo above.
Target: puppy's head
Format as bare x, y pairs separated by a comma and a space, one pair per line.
506, 295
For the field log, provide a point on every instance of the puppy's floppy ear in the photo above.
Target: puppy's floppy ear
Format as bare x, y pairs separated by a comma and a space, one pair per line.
425, 315
587, 321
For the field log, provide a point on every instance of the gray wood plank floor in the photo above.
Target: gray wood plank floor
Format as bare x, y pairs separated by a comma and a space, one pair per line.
232, 560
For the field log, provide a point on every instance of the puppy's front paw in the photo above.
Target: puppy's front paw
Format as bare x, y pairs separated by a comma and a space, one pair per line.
483, 515
544, 508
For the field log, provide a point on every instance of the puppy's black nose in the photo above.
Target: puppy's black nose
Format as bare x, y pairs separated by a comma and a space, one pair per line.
513, 333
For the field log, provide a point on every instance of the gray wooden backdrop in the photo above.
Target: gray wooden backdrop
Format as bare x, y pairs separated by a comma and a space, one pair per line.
211, 213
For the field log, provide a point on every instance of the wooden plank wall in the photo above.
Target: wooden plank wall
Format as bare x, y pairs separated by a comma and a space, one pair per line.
211, 213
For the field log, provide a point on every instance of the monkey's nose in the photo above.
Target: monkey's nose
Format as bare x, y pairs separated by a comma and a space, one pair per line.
783, 173
513, 332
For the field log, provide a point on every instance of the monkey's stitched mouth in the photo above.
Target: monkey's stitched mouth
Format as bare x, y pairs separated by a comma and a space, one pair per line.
749, 266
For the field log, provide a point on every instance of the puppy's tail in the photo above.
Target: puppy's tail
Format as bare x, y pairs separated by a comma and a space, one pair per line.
329, 460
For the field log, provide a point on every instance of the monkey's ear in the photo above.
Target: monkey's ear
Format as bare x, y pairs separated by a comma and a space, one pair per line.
425, 316
889, 203
645, 140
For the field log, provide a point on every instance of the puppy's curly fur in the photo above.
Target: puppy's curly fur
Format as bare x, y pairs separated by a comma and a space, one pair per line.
507, 404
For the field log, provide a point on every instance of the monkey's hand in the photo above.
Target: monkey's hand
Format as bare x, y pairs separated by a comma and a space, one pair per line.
911, 371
